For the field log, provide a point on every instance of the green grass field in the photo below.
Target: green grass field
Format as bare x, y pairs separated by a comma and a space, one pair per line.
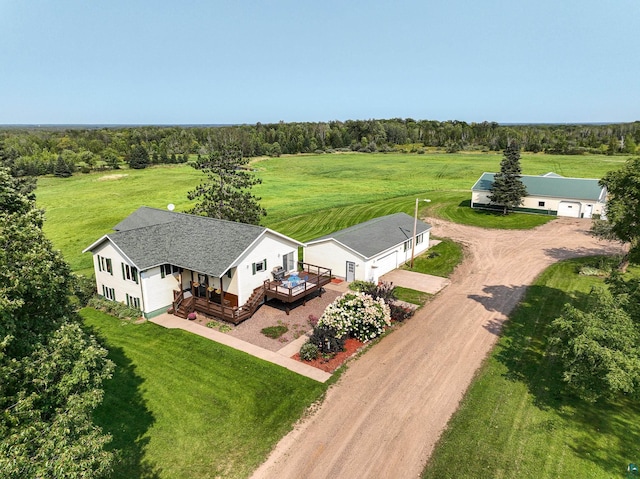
515, 420
181, 406
440, 260
305, 196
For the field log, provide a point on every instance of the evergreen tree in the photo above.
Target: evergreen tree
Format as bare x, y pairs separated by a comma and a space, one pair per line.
51, 371
138, 158
507, 189
62, 169
227, 192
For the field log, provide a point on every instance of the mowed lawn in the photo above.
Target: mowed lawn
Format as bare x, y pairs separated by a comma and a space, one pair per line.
305, 196
516, 421
181, 406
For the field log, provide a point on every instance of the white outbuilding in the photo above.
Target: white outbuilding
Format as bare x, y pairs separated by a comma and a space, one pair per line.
550, 194
368, 250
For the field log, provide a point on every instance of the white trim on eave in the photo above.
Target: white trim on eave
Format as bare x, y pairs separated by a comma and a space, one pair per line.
284, 236
236, 261
339, 243
113, 243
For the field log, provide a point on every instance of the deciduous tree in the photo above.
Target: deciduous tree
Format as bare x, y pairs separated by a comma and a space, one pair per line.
622, 209
226, 194
598, 348
507, 189
51, 371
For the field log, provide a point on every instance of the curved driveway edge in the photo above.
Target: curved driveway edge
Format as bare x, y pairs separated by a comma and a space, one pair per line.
384, 416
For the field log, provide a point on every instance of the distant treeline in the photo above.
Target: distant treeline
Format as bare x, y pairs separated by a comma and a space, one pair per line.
38, 151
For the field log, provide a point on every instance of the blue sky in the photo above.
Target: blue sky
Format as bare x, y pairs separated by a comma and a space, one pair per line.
211, 62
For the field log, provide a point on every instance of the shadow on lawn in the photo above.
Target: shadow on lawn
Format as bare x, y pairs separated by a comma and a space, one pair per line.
603, 433
124, 415
523, 347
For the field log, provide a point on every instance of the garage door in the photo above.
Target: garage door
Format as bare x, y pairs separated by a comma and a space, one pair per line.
384, 265
569, 208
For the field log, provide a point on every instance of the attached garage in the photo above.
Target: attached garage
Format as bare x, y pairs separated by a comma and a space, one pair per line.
368, 250
384, 265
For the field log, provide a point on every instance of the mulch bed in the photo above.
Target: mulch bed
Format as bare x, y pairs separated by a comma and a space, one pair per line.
351, 346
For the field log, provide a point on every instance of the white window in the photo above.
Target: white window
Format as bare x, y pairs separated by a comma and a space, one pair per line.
287, 262
129, 272
104, 264
261, 266
407, 245
133, 302
420, 238
108, 293
167, 269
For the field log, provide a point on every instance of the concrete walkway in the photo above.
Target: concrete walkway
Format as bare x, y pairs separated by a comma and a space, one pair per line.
281, 357
418, 281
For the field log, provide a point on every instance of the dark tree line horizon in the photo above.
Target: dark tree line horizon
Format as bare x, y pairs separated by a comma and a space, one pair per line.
37, 151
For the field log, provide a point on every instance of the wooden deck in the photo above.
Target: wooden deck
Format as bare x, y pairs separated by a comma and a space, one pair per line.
298, 287
310, 279
184, 305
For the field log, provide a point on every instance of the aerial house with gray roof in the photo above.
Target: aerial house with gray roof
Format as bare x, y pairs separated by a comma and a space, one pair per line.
157, 259
368, 250
550, 194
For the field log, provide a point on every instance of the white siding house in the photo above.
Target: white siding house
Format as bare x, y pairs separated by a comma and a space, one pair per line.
368, 250
550, 194
154, 254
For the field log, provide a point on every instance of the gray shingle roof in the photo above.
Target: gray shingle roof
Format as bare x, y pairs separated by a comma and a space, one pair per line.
377, 235
145, 216
150, 237
551, 185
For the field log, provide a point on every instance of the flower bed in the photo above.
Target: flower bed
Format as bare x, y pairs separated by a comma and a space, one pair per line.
351, 346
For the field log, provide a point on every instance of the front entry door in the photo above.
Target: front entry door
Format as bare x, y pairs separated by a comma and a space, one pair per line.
351, 271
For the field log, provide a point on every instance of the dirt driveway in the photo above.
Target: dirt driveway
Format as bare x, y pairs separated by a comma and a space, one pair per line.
384, 416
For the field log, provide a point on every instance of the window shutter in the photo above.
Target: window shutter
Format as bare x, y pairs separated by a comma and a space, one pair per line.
162, 272
124, 276
253, 266
99, 265
265, 264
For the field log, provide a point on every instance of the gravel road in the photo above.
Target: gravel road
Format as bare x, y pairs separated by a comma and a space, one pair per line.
384, 416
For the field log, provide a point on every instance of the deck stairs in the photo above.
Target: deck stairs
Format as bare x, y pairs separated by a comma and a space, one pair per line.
253, 303
186, 306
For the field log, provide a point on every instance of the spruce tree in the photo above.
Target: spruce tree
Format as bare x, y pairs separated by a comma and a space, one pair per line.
507, 189
62, 169
227, 192
138, 158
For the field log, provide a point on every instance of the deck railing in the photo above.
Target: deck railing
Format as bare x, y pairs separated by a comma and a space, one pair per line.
313, 279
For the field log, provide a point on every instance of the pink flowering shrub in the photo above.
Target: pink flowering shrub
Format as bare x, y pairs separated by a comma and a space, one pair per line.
357, 315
